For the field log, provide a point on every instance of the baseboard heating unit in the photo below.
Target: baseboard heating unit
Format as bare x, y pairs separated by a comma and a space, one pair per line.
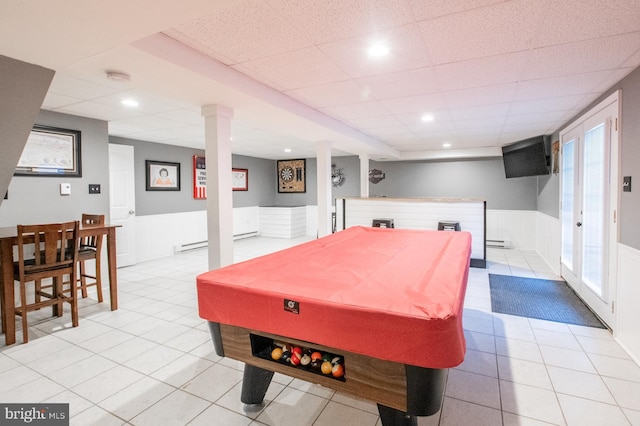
499, 244
189, 246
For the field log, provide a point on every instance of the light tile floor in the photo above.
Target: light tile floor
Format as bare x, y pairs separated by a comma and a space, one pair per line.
151, 362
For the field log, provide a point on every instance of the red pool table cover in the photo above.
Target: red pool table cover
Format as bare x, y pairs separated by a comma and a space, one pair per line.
392, 294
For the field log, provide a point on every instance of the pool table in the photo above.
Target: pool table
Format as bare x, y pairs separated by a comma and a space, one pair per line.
381, 308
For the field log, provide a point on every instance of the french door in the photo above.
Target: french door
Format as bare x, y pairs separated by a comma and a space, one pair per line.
589, 202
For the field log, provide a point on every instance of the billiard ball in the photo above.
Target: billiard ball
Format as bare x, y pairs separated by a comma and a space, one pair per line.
316, 355
316, 364
276, 354
337, 370
305, 360
295, 358
286, 356
326, 367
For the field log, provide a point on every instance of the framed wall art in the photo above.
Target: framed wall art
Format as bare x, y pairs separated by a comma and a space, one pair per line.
51, 151
292, 176
162, 175
199, 178
240, 179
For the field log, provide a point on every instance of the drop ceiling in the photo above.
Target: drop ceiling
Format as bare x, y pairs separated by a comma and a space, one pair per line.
297, 73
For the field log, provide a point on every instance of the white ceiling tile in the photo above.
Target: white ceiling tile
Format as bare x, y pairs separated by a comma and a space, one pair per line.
184, 116
485, 95
340, 93
430, 103
546, 105
78, 88
559, 86
375, 122
400, 84
355, 111
494, 123
95, 110
480, 111
54, 100
575, 20
580, 57
295, 69
433, 8
481, 72
246, 31
406, 51
322, 22
488, 31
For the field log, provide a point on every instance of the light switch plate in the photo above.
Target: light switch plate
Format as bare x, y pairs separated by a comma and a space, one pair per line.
626, 184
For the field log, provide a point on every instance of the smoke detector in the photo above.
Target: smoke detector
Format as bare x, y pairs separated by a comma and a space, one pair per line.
118, 76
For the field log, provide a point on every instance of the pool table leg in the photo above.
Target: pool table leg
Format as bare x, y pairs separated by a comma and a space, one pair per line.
255, 384
393, 417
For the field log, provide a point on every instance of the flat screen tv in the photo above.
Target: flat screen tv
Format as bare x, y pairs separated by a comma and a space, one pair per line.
527, 157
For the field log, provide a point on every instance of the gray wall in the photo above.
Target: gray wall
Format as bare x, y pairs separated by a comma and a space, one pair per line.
478, 178
34, 199
162, 202
549, 189
260, 192
351, 169
261, 183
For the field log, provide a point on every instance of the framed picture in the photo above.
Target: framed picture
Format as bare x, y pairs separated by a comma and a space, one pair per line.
240, 179
555, 160
291, 176
199, 178
51, 151
162, 175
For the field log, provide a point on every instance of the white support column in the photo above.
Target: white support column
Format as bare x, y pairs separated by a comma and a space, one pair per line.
364, 175
323, 157
217, 135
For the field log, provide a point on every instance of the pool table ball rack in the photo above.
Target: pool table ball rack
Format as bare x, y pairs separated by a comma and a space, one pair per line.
401, 391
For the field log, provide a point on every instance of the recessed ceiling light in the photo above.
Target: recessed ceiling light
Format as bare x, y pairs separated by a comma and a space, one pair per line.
378, 49
446, 145
132, 103
287, 150
427, 118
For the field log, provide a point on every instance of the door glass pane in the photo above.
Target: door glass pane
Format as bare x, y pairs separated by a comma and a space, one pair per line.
568, 182
593, 208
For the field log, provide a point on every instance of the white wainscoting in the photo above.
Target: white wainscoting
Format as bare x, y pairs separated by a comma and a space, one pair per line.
283, 222
627, 301
548, 240
516, 227
159, 235
418, 214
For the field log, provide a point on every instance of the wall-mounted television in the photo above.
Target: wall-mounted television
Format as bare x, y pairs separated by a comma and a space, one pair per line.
527, 157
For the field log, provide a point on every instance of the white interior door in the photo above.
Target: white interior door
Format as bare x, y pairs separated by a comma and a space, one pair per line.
588, 207
123, 201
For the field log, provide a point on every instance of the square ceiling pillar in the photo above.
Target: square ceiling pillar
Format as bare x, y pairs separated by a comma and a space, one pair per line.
217, 135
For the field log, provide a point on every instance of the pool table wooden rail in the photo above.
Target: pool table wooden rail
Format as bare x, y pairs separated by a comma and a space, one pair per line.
417, 391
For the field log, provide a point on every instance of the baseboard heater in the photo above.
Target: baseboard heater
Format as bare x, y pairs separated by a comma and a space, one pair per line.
245, 235
499, 244
189, 246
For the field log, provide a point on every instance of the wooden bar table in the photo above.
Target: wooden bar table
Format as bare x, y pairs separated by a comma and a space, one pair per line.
9, 239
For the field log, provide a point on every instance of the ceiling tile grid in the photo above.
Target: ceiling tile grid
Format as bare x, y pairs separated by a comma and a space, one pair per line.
488, 71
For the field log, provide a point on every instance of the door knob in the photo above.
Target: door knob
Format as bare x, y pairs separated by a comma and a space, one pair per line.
131, 211
579, 224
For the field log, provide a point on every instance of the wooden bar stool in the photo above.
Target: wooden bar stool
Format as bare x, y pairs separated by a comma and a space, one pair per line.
91, 249
55, 254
